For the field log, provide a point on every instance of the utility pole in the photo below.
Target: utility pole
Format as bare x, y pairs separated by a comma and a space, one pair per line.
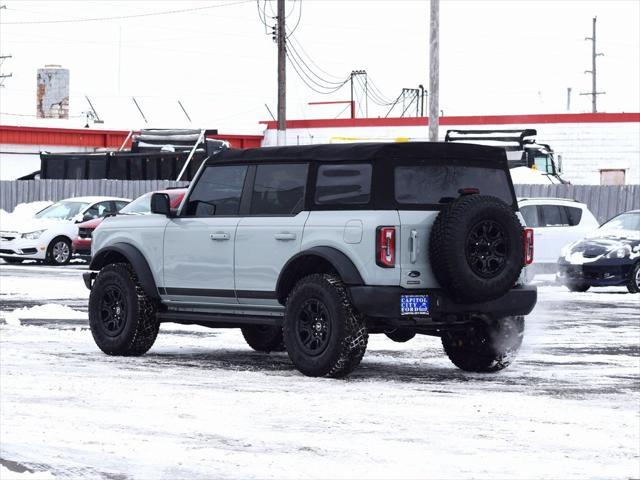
4, 75
568, 99
366, 90
594, 91
434, 69
2, 59
282, 75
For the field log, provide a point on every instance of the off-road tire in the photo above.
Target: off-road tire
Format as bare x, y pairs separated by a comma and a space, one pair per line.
450, 248
13, 261
140, 326
51, 258
633, 283
577, 286
264, 338
401, 335
485, 347
346, 331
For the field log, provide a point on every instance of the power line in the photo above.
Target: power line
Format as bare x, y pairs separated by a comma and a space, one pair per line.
297, 42
299, 18
124, 17
332, 84
301, 75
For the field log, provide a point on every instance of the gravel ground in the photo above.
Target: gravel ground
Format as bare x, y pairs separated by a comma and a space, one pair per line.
201, 404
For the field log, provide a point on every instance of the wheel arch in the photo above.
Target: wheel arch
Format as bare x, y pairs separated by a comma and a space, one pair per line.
316, 260
126, 253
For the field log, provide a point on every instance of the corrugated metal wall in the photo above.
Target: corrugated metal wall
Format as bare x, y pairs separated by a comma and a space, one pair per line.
13, 192
603, 201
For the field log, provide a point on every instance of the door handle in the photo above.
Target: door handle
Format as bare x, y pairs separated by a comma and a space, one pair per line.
219, 236
413, 248
284, 236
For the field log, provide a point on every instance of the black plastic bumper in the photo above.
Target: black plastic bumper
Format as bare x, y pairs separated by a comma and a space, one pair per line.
88, 278
384, 302
603, 273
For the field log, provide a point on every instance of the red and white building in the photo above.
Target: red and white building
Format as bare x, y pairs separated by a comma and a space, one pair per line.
595, 147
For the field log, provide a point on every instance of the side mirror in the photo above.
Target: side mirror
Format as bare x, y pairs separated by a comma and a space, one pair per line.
160, 204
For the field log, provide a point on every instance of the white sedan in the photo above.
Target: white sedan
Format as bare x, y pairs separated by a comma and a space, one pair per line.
48, 235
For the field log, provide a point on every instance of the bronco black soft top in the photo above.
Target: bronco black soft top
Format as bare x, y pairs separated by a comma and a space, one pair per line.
439, 152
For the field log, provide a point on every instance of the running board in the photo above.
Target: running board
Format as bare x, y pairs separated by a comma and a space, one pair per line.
217, 320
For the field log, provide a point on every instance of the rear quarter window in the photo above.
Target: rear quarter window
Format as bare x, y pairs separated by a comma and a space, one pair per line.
433, 184
344, 184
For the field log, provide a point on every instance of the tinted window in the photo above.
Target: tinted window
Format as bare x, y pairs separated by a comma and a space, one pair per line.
574, 215
553, 216
279, 189
217, 192
120, 205
343, 184
429, 184
97, 210
530, 215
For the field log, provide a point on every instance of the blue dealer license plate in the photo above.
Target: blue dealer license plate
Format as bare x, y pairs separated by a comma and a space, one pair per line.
414, 304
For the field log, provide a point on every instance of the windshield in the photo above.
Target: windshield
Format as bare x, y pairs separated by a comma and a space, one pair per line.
139, 206
544, 163
626, 222
62, 210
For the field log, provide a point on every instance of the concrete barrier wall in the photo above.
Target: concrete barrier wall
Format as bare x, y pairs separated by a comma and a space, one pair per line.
603, 200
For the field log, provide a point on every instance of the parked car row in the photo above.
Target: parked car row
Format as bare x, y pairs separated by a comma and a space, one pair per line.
569, 241
140, 206
64, 229
582, 254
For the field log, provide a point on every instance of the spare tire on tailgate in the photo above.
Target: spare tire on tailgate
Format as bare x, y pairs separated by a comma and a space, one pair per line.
476, 248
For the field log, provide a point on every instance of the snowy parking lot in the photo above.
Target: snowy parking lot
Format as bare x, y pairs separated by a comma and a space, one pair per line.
201, 404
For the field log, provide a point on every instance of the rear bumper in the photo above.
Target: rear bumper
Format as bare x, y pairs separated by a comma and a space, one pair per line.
384, 302
82, 248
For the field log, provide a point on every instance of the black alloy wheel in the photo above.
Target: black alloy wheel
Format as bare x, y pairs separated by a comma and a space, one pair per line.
113, 310
633, 284
313, 327
122, 317
323, 334
487, 248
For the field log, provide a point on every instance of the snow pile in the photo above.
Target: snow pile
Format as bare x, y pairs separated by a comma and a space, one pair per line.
48, 311
7, 474
22, 213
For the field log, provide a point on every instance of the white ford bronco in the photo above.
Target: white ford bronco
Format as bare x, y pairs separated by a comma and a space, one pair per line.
313, 248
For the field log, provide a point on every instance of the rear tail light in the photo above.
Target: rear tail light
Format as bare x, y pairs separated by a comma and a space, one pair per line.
386, 247
527, 236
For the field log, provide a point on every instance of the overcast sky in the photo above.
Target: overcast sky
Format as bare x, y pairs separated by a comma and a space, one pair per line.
497, 57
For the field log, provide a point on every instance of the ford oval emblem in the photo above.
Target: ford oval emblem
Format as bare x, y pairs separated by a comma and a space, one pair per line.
414, 274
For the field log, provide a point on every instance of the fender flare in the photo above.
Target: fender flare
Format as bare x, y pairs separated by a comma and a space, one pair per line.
342, 264
134, 257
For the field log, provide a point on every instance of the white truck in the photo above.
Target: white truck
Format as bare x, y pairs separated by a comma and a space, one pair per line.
530, 162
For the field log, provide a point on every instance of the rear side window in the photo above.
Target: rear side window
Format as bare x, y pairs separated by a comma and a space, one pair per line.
343, 184
218, 191
553, 216
279, 189
432, 184
574, 214
530, 215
